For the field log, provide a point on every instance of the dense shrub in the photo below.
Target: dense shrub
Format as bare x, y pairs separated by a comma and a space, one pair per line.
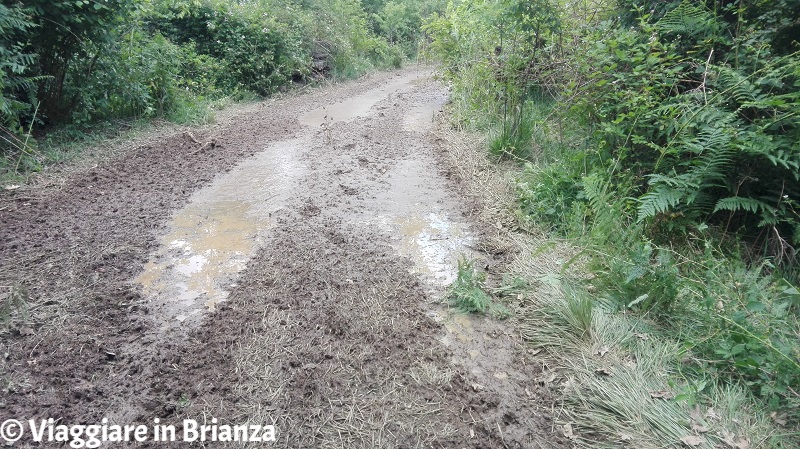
709, 131
253, 52
494, 54
13, 63
66, 31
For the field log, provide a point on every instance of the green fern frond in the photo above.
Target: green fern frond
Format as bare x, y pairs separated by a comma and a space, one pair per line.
688, 18
714, 164
598, 194
605, 206
659, 199
673, 181
702, 201
786, 159
739, 203
737, 84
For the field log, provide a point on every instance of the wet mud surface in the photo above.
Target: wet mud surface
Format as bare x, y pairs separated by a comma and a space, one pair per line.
289, 276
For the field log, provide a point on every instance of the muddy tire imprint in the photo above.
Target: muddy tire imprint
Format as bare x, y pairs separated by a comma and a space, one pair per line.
288, 276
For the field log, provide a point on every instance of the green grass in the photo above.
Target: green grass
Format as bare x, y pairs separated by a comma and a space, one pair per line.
513, 139
692, 319
623, 384
679, 313
466, 293
13, 302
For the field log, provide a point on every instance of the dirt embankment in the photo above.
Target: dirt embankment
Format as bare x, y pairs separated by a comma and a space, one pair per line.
286, 276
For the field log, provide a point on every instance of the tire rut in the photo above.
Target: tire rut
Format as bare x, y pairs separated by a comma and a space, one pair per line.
324, 327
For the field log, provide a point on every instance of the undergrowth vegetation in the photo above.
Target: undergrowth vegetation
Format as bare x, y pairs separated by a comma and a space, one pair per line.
468, 293
663, 138
70, 65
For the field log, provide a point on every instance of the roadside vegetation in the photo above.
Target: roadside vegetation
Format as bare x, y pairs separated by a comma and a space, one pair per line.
69, 68
662, 140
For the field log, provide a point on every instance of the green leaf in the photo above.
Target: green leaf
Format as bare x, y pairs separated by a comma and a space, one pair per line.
737, 349
756, 306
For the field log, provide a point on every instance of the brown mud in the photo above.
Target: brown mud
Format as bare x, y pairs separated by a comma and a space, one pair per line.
292, 275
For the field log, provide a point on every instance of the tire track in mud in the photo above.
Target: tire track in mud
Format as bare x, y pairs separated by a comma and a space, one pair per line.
317, 319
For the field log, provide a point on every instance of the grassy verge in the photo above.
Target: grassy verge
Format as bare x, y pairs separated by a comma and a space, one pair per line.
652, 344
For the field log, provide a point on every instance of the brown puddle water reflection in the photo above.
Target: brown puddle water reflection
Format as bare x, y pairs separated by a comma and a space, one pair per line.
433, 243
214, 236
211, 239
421, 117
360, 105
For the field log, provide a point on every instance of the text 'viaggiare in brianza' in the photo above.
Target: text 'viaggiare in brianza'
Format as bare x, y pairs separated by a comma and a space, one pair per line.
95, 435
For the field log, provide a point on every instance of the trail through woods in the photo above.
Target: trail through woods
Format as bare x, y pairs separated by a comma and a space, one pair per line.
289, 275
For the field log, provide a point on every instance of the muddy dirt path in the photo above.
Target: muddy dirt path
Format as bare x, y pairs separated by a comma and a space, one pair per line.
290, 276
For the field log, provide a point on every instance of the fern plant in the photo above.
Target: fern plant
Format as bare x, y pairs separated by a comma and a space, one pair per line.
468, 292
732, 160
689, 18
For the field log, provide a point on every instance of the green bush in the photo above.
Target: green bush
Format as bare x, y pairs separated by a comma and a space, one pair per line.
17, 90
708, 131
65, 32
14, 61
141, 76
496, 54
118, 59
253, 53
741, 322
468, 292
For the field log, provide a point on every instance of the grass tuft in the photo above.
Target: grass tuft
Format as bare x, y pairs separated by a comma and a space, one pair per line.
13, 302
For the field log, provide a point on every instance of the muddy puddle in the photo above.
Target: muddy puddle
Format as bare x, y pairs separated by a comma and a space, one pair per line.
420, 216
433, 243
361, 105
211, 239
424, 229
417, 214
279, 233
421, 117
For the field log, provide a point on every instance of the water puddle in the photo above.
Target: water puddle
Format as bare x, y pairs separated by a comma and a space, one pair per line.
414, 210
211, 239
360, 105
433, 243
417, 211
421, 117
483, 347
